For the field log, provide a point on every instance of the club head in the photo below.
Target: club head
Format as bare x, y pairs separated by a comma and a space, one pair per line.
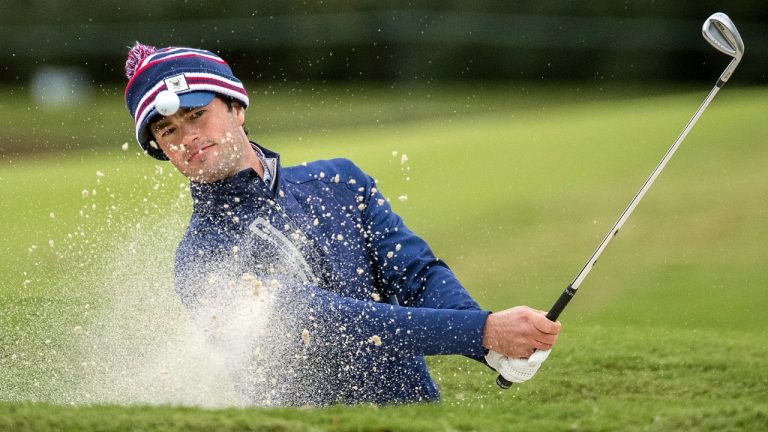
721, 33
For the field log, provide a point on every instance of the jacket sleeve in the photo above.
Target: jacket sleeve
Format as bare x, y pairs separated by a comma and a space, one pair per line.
390, 330
223, 306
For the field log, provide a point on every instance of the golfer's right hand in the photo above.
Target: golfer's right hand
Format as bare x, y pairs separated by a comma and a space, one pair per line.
519, 331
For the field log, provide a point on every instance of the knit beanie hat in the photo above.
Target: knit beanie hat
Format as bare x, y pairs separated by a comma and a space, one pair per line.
196, 76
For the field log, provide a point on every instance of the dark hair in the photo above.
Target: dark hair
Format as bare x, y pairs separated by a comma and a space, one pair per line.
229, 101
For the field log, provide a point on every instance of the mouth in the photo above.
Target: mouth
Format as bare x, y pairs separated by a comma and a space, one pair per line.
200, 152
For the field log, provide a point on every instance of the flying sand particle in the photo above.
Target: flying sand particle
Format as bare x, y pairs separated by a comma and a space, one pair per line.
256, 287
375, 339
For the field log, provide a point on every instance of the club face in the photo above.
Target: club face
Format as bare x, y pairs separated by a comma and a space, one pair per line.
721, 33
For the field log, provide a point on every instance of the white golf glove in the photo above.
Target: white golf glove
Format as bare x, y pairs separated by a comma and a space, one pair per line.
516, 370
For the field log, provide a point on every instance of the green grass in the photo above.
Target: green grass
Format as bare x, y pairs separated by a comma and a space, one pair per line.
513, 186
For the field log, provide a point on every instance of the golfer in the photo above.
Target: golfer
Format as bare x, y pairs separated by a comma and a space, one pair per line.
314, 289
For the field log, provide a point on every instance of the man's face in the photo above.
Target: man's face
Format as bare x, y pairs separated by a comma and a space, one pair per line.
205, 144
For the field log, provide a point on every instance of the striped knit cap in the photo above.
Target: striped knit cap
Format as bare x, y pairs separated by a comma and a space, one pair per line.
196, 76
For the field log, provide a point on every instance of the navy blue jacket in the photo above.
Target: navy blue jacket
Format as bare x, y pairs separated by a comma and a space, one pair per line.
316, 292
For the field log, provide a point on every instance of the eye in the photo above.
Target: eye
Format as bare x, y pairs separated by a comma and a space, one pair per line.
197, 114
167, 131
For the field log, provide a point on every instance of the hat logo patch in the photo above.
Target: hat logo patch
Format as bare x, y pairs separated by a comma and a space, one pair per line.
176, 83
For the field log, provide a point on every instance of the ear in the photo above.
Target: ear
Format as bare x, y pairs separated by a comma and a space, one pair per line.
239, 113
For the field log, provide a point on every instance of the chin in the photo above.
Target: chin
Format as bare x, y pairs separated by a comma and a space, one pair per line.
211, 174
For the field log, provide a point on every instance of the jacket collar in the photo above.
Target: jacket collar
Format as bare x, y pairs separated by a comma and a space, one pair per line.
244, 185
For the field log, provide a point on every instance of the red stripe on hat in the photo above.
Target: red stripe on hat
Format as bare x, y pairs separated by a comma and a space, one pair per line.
147, 101
214, 81
211, 80
172, 57
198, 81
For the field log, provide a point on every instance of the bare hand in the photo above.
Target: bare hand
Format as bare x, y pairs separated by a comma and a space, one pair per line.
518, 331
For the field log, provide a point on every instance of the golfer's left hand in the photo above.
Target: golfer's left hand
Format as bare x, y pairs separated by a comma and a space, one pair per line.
516, 370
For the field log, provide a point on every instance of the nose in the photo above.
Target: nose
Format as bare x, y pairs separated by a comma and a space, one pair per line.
190, 135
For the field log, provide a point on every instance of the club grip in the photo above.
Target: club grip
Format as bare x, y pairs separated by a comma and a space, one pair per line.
503, 383
561, 303
552, 315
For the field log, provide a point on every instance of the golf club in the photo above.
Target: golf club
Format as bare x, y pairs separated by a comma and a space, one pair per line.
721, 33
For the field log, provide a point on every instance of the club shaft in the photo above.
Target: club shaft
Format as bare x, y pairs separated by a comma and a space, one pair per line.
570, 291
641, 193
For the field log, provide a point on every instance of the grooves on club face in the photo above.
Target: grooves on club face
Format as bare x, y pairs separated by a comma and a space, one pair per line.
722, 34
